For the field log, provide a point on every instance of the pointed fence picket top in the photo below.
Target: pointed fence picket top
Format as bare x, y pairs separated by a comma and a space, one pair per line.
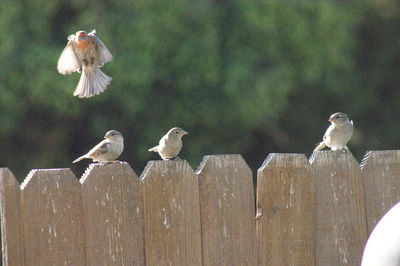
11, 233
285, 208
171, 213
113, 215
381, 176
227, 211
340, 231
51, 208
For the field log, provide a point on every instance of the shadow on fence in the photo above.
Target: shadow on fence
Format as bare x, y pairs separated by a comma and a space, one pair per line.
304, 213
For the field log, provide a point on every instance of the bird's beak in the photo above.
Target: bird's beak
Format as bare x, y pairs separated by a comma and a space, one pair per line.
185, 133
330, 120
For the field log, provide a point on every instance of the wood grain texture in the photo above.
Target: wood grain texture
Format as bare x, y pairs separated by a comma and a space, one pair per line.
171, 214
340, 232
307, 214
51, 207
285, 211
381, 176
11, 233
113, 215
227, 211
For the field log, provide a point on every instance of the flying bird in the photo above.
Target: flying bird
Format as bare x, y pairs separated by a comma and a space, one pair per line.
108, 150
338, 133
86, 53
170, 144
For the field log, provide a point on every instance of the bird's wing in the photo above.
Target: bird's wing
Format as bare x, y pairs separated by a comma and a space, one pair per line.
103, 54
328, 133
68, 61
320, 146
154, 149
325, 139
101, 148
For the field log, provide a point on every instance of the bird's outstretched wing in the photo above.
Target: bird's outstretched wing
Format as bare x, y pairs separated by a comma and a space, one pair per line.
68, 61
103, 54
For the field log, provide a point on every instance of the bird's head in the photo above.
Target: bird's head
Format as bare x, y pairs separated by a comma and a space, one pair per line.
81, 35
176, 132
113, 135
338, 118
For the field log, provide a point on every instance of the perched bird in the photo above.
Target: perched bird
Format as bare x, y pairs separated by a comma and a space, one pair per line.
338, 133
170, 144
86, 53
107, 150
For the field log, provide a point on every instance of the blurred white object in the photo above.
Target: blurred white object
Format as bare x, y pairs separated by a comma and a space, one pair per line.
383, 246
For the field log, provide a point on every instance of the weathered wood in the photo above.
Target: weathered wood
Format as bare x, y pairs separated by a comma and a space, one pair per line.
381, 176
340, 231
308, 214
171, 214
113, 215
285, 211
51, 207
227, 211
11, 233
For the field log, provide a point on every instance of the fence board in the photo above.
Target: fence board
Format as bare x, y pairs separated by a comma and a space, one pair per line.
11, 233
285, 208
113, 215
171, 214
51, 207
340, 232
381, 175
227, 211
307, 214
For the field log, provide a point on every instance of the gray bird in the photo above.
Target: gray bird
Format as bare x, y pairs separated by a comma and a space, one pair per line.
108, 150
338, 133
170, 144
86, 53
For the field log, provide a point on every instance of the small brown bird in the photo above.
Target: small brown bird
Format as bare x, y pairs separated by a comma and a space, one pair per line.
338, 133
107, 150
170, 144
86, 53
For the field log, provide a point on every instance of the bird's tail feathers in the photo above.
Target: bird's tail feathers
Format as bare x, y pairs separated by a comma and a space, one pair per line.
92, 82
154, 149
320, 146
79, 159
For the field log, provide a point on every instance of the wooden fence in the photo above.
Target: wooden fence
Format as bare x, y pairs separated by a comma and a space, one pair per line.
316, 212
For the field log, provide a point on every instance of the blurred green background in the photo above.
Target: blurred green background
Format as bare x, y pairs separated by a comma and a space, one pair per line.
248, 77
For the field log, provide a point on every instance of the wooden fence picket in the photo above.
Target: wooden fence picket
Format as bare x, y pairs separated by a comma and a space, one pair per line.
11, 232
305, 213
285, 211
340, 231
51, 208
227, 211
381, 176
113, 215
171, 214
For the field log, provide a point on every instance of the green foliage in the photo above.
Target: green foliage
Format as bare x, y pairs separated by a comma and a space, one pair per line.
241, 76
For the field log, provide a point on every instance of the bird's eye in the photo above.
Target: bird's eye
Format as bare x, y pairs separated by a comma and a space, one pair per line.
176, 132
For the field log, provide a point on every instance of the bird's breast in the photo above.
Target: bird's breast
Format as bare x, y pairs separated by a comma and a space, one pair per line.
83, 44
